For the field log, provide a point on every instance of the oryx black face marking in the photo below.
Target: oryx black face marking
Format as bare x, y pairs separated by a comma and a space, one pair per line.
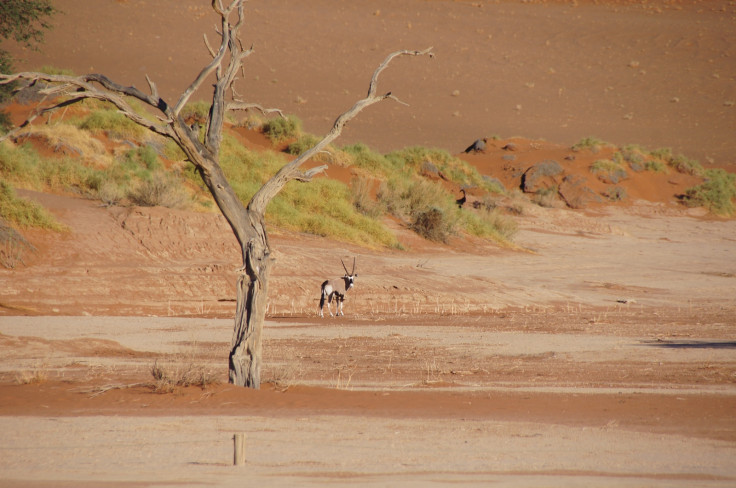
336, 289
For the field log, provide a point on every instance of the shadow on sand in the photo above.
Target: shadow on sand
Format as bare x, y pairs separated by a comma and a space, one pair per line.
691, 344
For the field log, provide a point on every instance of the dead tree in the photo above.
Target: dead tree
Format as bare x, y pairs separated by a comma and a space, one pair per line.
247, 222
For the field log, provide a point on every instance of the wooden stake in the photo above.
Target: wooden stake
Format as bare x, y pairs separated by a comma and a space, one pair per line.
239, 445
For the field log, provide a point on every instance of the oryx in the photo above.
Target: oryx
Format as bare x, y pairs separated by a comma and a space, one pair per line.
336, 289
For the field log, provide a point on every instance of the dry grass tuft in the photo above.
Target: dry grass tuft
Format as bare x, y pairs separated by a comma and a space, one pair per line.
36, 376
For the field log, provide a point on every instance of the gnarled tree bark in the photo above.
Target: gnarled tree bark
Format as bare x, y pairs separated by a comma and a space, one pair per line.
247, 222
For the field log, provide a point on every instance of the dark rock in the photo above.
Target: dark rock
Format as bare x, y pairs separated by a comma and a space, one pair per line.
477, 146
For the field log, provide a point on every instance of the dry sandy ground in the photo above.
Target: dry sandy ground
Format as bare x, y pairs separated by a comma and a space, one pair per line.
535, 375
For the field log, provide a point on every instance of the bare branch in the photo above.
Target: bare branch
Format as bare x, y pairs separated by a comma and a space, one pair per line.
254, 106
152, 86
85, 86
374, 80
209, 48
260, 200
307, 176
207, 70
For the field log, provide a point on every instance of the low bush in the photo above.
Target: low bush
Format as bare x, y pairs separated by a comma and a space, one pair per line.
281, 129
608, 171
716, 193
686, 165
161, 189
432, 224
591, 143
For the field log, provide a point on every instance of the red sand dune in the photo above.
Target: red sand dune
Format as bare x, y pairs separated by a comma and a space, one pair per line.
658, 73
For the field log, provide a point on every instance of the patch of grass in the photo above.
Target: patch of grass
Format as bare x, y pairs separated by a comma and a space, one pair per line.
69, 139
324, 208
489, 222
362, 156
301, 145
181, 372
25, 213
144, 156
13, 246
114, 124
36, 376
53, 70
655, 166
716, 193
591, 143
683, 164
663, 153
608, 171
363, 200
199, 110
281, 129
406, 198
23, 166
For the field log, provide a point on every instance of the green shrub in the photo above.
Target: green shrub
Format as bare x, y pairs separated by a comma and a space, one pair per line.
686, 165
608, 171
716, 193
199, 110
663, 153
143, 157
281, 129
655, 166
592, 143
301, 145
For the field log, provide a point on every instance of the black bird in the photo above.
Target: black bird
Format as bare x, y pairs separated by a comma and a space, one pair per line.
461, 201
478, 146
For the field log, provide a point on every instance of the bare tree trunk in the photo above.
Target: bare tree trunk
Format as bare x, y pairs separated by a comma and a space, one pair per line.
250, 313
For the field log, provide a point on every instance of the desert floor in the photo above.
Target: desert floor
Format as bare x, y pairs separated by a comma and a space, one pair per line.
599, 351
